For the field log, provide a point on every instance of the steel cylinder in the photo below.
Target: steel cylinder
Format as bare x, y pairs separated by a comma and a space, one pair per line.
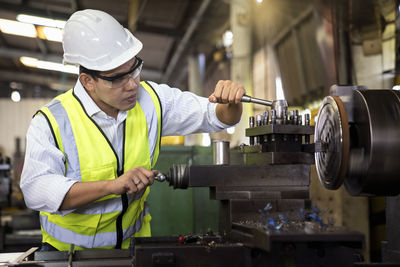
220, 152
280, 107
374, 166
178, 176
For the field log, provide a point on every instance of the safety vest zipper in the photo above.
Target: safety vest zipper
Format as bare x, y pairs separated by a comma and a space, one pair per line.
124, 197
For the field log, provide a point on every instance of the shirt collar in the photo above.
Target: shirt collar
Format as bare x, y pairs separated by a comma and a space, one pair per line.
89, 105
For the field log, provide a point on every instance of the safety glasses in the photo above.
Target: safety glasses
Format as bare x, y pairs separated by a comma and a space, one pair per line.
121, 79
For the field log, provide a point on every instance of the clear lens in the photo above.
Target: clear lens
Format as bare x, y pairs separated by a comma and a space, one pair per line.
120, 82
111, 82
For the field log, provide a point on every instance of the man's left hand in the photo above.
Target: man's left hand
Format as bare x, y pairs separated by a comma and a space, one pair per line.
227, 92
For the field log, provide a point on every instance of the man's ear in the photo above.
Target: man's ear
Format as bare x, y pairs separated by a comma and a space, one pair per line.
87, 81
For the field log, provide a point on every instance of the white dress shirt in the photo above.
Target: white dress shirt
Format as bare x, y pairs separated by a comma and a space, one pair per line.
43, 182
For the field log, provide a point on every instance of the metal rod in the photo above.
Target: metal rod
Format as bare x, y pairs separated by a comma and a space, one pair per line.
259, 120
71, 253
185, 39
249, 99
273, 116
251, 124
266, 117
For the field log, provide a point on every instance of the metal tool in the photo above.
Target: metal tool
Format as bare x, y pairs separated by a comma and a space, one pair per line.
26, 254
71, 253
160, 177
280, 106
249, 99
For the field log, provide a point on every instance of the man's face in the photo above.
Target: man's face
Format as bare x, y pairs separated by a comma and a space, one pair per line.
119, 94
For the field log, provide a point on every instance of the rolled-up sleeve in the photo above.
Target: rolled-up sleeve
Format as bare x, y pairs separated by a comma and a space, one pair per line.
43, 183
186, 113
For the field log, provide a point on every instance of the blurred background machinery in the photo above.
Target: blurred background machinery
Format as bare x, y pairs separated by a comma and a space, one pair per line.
5, 181
5, 191
19, 229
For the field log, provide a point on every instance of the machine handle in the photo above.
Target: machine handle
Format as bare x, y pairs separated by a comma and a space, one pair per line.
160, 177
249, 99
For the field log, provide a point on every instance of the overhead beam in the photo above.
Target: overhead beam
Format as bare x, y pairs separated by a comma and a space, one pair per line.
35, 11
17, 53
148, 74
134, 13
2, 41
74, 5
175, 33
42, 46
184, 41
53, 83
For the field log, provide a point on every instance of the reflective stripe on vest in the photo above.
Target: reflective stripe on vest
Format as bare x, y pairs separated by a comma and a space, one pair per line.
108, 205
99, 240
90, 157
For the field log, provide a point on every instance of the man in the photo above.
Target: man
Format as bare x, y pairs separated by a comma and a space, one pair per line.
90, 151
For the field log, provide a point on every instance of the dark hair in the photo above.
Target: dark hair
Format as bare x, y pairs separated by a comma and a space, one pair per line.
92, 73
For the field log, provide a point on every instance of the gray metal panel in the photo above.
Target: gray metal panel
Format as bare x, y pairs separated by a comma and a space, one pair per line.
280, 128
237, 175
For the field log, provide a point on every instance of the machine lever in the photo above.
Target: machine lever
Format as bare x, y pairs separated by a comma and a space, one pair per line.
160, 177
249, 99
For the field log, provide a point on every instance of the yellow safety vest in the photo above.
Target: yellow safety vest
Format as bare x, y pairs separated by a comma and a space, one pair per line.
110, 221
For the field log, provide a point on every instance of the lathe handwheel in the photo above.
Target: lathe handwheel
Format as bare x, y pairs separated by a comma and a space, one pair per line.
333, 131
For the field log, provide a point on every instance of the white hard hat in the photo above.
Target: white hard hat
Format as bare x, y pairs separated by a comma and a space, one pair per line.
97, 41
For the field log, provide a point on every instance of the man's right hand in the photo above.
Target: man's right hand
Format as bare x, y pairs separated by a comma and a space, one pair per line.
133, 181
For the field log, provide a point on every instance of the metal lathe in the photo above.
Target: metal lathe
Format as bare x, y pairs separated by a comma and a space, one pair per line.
265, 216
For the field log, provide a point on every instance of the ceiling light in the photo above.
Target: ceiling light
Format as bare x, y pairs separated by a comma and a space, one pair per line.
230, 130
17, 28
48, 65
41, 21
227, 38
259, 1
29, 61
50, 33
15, 96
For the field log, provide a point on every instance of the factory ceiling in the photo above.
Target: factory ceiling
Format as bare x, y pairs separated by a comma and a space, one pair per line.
169, 30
